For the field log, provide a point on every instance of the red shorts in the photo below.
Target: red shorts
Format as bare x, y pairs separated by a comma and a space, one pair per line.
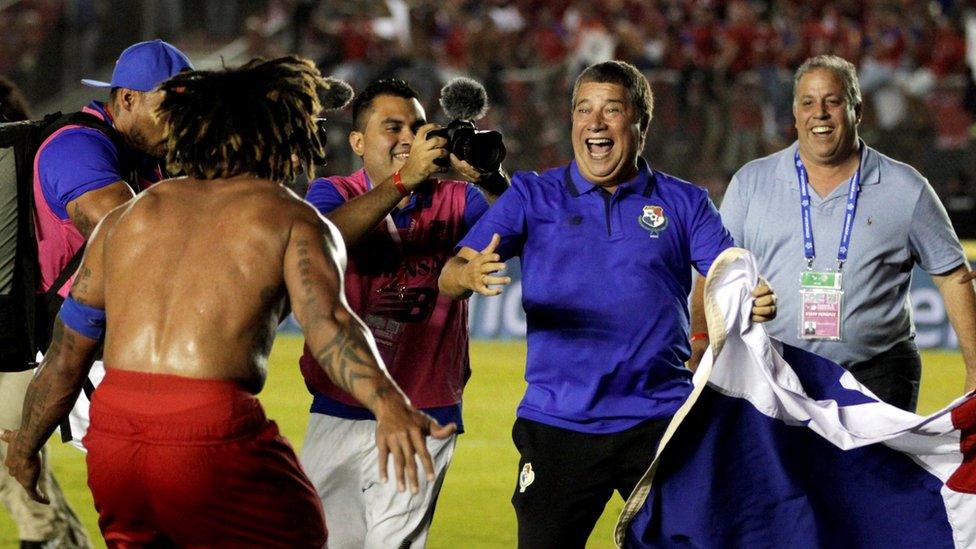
194, 463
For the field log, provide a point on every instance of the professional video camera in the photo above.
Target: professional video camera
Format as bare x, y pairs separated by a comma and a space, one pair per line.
465, 100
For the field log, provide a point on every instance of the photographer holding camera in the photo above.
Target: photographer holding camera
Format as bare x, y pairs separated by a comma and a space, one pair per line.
400, 226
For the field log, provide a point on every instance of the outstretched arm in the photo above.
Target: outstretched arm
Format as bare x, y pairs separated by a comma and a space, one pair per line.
472, 271
54, 389
356, 218
957, 292
345, 349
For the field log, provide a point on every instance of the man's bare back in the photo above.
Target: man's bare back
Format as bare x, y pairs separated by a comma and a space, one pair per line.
186, 284
194, 276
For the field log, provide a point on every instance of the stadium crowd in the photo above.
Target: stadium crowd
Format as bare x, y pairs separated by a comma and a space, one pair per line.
721, 70
714, 65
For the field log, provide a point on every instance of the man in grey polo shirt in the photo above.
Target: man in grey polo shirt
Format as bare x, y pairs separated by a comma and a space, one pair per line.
837, 227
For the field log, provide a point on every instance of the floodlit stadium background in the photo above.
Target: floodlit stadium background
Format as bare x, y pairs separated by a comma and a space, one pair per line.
721, 73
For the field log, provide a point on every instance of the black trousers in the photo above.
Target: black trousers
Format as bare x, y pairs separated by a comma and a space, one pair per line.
894, 375
566, 478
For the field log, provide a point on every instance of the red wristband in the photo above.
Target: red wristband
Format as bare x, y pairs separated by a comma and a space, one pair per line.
398, 183
698, 335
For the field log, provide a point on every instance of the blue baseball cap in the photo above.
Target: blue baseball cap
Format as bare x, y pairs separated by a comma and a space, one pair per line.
144, 66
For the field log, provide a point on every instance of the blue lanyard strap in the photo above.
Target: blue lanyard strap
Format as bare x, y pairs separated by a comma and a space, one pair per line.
853, 190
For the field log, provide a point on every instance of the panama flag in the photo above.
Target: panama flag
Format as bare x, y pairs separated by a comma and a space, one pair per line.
777, 447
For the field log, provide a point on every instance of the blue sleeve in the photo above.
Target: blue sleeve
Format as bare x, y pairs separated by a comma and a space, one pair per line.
323, 194
505, 217
709, 237
475, 205
76, 161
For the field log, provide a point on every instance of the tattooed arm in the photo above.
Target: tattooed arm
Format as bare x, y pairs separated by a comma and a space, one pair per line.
54, 389
88, 209
314, 262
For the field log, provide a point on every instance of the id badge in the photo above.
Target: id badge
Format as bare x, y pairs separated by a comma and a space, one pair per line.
821, 305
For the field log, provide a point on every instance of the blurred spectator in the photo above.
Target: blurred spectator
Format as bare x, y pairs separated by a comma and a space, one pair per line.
744, 142
591, 38
222, 16
721, 69
162, 19
960, 202
83, 30
885, 43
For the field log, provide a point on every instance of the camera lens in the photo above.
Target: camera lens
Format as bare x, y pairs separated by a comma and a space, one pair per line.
485, 150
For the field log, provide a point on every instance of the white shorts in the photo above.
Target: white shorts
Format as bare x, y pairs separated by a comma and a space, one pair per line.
340, 458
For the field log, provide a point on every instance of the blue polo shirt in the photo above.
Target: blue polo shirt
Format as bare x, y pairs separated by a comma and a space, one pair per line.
605, 284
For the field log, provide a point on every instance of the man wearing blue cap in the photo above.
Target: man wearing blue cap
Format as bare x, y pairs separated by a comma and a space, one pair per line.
95, 162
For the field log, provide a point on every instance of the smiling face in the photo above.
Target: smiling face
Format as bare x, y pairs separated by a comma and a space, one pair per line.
384, 142
826, 122
606, 134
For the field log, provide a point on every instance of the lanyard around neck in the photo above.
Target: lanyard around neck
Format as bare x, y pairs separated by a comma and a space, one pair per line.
853, 190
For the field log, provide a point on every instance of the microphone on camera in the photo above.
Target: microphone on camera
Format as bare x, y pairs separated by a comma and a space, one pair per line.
465, 99
334, 94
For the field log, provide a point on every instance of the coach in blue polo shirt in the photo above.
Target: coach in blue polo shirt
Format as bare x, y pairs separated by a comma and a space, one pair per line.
607, 246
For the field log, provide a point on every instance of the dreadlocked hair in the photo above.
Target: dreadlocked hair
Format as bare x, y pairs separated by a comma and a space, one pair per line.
258, 119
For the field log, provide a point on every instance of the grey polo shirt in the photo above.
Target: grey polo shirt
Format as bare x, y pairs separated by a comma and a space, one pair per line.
899, 223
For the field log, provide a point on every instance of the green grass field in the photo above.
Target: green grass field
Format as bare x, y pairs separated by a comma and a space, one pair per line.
474, 509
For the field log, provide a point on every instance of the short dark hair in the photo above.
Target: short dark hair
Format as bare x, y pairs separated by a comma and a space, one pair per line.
259, 119
386, 86
13, 104
623, 74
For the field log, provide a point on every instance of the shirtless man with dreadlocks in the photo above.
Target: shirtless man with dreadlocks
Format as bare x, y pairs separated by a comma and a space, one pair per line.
187, 283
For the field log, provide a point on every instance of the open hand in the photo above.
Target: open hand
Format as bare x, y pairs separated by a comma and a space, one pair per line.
481, 272
401, 432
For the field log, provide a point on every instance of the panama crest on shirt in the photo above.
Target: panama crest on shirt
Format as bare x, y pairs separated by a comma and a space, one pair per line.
653, 220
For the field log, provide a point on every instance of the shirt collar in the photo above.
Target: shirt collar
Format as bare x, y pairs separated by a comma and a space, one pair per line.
642, 183
870, 165
98, 109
